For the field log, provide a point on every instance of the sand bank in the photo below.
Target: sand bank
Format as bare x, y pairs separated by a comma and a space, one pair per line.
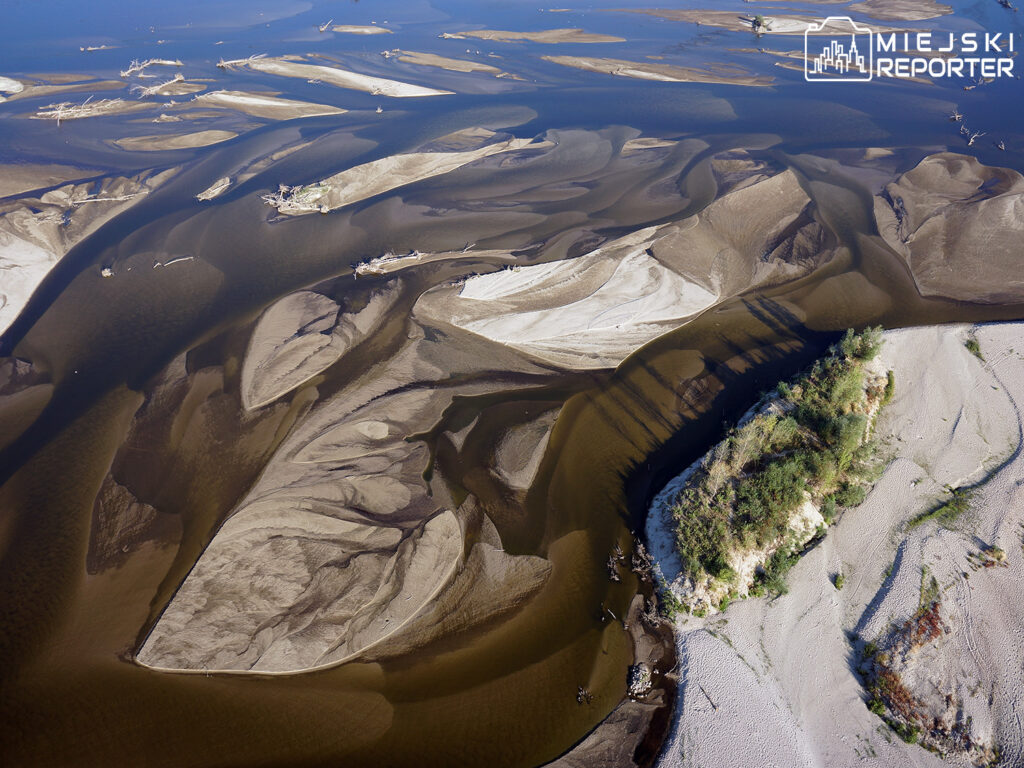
319, 565
780, 24
36, 89
174, 141
549, 36
951, 213
443, 62
219, 187
787, 663
900, 10
388, 173
36, 231
591, 311
341, 78
10, 86
66, 110
264, 105
594, 310
355, 29
644, 70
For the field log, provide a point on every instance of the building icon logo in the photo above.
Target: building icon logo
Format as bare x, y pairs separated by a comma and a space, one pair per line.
838, 50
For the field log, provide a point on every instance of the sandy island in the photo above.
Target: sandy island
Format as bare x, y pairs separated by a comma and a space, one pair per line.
342, 78
268, 106
378, 176
175, 141
354, 29
549, 36
644, 70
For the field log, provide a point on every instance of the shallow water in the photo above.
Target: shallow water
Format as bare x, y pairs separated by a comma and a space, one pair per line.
503, 694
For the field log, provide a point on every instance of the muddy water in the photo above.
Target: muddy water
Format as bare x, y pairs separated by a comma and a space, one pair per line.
504, 694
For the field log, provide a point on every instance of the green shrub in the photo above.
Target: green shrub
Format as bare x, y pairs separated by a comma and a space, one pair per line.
876, 706
748, 487
909, 733
890, 387
862, 346
946, 513
838, 580
974, 348
850, 495
828, 509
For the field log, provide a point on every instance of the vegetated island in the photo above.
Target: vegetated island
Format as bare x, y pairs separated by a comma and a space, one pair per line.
747, 509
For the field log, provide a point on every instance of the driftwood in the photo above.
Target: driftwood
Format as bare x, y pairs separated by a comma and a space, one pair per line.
137, 67
239, 62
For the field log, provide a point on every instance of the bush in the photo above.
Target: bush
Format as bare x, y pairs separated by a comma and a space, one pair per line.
828, 509
850, 495
974, 348
862, 346
890, 387
909, 733
946, 513
838, 580
745, 491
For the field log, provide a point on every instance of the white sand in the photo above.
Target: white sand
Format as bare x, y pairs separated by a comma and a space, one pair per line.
550, 36
670, 73
591, 311
264, 105
779, 672
35, 232
354, 29
10, 85
342, 78
622, 292
388, 173
23, 266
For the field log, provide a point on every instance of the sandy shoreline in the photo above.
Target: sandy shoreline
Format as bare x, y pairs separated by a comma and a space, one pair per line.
786, 663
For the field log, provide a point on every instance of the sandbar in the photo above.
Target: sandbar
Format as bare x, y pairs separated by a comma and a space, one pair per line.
342, 78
